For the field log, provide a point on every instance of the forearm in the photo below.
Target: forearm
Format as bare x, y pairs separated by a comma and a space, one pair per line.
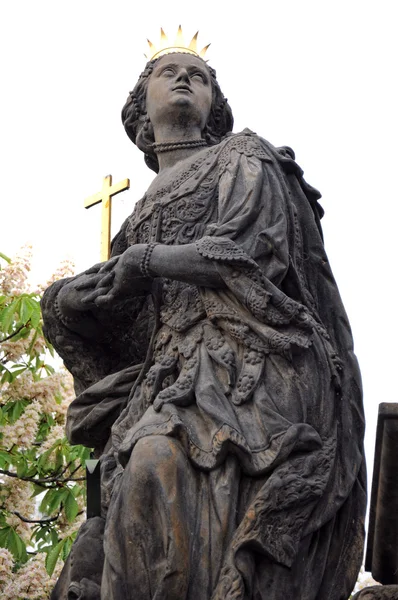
184, 263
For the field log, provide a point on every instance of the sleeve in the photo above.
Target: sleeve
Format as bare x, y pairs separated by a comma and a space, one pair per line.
119, 337
250, 245
252, 225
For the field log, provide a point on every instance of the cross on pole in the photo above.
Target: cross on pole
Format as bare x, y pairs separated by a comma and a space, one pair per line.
105, 196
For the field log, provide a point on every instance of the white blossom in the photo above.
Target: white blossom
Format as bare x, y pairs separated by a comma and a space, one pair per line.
6, 567
31, 582
23, 432
13, 277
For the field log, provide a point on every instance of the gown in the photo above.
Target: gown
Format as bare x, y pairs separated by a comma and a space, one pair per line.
229, 420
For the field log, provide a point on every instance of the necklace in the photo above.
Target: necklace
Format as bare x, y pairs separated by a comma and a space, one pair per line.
167, 146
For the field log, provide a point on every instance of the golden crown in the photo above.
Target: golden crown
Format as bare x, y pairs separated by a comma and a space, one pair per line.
179, 45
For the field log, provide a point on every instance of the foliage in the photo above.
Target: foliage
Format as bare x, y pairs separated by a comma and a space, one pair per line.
42, 492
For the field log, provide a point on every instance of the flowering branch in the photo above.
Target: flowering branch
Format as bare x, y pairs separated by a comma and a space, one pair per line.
36, 460
38, 521
13, 334
41, 480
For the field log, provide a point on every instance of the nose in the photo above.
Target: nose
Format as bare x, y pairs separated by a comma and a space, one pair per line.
183, 75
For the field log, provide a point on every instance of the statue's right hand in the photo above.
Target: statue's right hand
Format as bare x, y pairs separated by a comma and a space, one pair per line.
72, 293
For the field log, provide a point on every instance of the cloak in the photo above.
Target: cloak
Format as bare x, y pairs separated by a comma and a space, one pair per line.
256, 384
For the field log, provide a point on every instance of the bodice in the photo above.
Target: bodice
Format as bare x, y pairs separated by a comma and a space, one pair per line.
179, 213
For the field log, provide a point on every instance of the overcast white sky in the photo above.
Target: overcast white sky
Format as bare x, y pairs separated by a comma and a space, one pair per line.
320, 76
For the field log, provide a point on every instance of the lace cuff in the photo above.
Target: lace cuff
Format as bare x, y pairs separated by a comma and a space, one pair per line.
224, 250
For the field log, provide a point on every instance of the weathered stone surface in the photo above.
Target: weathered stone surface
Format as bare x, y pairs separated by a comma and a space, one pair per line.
382, 545
378, 592
214, 369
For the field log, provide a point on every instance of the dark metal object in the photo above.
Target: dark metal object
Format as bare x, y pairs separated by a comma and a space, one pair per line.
382, 548
93, 473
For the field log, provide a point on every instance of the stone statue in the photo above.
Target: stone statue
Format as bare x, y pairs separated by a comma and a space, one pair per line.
214, 371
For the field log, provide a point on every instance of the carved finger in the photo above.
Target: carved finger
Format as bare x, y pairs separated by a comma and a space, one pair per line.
104, 301
89, 283
106, 280
108, 266
102, 291
94, 269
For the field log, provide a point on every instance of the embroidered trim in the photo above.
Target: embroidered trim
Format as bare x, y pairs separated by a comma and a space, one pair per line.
223, 249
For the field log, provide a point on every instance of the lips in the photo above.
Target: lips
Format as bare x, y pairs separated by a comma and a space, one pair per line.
185, 88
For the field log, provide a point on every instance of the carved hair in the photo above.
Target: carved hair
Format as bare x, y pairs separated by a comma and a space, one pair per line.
139, 128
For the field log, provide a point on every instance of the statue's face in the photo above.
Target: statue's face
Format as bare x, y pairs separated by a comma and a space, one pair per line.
179, 88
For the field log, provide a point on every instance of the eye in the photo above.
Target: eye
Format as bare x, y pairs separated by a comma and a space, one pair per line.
199, 75
168, 71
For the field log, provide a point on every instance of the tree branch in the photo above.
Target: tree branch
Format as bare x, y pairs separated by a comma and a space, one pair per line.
12, 334
42, 480
40, 521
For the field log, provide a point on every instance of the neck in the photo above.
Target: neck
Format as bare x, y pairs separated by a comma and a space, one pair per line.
176, 143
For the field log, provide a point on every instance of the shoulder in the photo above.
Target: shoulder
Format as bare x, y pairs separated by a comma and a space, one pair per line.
248, 143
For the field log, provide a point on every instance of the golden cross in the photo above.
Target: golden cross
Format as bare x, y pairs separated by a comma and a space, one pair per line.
105, 196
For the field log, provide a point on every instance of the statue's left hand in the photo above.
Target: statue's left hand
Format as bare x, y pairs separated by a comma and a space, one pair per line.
120, 276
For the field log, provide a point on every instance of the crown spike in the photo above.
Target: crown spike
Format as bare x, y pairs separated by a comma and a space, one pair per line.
193, 43
179, 41
203, 51
165, 47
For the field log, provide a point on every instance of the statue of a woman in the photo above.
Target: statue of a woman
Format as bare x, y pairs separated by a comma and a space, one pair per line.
214, 371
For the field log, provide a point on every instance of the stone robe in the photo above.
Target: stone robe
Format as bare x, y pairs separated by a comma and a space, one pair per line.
229, 421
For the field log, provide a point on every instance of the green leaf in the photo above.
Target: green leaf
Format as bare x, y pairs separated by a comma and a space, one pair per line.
7, 376
32, 343
53, 536
53, 500
44, 458
22, 334
37, 490
7, 315
49, 369
17, 372
52, 557
26, 309
36, 316
59, 461
13, 542
32, 468
46, 499
67, 548
22, 467
15, 409
5, 459
83, 453
41, 534
71, 507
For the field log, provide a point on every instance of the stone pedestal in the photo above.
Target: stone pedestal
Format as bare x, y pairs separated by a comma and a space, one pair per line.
378, 592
